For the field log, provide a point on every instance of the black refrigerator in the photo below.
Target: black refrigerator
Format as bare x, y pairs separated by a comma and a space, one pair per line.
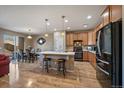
109, 55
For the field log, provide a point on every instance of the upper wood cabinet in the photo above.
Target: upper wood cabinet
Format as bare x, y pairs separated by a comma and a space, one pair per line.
69, 39
80, 36
90, 38
71, 36
112, 13
85, 38
106, 16
75, 37
94, 37
116, 12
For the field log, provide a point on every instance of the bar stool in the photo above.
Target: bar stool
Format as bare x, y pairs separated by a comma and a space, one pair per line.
61, 65
46, 64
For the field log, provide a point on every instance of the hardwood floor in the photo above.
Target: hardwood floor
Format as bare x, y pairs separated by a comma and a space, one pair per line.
31, 75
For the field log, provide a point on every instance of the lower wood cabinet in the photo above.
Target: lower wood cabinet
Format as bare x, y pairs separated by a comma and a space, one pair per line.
89, 57
85, 56
92, 58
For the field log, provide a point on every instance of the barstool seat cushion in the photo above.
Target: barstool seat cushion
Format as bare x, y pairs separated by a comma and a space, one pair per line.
47, 59
61, 60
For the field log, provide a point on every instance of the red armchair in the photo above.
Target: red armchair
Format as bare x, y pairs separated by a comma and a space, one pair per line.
4, 64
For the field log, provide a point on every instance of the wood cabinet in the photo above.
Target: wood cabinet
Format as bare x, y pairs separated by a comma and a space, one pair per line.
75, 37
94, 37
89, 57
92, 58
106, 16
71, 36
78, 35
90, 38
112, 13
69, 39
116, 12
85, 55
85, 38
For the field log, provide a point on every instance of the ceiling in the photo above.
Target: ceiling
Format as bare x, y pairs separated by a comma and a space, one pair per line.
21, 18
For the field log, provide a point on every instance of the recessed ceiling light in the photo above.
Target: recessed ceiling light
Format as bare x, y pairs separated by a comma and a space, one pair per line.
68, 28
46, 35
89, 17
66, 21
55, 29
48, 23
85, 25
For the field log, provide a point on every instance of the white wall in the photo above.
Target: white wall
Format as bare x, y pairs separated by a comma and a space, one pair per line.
47, 46
123, 46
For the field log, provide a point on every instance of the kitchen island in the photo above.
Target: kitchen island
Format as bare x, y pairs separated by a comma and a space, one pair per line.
69, 56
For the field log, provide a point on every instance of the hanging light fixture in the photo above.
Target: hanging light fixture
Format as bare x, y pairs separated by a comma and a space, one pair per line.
29, 36
63, 25
47, 24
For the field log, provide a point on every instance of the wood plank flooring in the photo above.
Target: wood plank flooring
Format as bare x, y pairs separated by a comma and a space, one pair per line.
31, 75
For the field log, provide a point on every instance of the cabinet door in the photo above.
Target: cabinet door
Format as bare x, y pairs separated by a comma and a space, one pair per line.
71, 39
75, 36
79, 36
85, 56
116, 12
90, 37
67, 39
94, 60
89, 57
106, 16
85, 38
94, 37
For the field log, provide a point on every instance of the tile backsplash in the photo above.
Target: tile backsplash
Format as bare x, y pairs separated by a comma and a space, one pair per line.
88, 47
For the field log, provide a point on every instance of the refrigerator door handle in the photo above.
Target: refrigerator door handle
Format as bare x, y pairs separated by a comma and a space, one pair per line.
98, 41
105, 62
102, 70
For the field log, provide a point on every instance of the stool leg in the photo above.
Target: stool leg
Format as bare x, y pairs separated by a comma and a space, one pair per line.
47, 68
63, 67
59, 66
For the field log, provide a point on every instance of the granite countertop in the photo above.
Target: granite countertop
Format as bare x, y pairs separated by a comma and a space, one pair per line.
91, 51
57, 53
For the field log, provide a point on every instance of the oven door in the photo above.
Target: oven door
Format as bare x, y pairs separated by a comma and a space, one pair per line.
78, 56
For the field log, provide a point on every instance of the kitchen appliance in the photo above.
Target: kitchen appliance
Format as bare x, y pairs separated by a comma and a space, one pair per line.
109, 55
77, 48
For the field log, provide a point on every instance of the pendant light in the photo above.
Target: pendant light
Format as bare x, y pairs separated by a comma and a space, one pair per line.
29, 36
47, 24
63, 25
